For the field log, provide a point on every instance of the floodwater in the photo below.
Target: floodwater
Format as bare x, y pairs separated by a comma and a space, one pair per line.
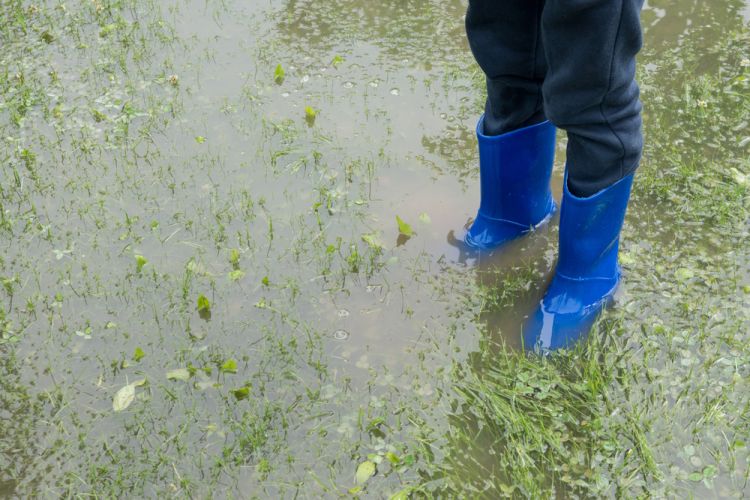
153, 153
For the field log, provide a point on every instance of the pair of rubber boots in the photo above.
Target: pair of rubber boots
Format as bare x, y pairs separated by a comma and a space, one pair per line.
515, 170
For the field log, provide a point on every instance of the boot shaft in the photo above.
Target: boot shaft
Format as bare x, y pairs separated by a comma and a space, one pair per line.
515, 170
590, 232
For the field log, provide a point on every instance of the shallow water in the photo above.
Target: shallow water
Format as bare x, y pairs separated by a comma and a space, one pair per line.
156, 133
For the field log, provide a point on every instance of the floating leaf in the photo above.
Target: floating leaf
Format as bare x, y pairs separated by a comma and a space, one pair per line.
392, 458
234, 258
337, 59
404, 228
265, 281
236, 275
206, 384
178, 374
241, 393
140, 261
86, 333
310, 115
204, 307
424, 218
229, 366
372, 240
696, 476
124, 397
364, 472
200, 139
709, 471
138, 354
278, 74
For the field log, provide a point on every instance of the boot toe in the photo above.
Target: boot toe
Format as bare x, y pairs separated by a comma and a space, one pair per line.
566, 313
486, 233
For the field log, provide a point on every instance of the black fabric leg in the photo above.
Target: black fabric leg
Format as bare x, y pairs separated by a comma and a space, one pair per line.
572, 61
506, 41
590, 89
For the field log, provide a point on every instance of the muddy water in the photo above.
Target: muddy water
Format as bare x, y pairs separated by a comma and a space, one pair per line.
172, 140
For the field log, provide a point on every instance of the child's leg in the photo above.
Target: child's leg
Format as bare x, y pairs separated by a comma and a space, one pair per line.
590, 89
504, 36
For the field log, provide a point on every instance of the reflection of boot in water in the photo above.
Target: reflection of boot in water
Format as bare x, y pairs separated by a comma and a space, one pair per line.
514, 170
587, 272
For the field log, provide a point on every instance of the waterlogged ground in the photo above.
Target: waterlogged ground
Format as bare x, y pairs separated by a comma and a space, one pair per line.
206, 292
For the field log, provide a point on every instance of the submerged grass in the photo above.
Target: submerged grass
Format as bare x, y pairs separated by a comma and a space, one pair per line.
533, 428
655, 404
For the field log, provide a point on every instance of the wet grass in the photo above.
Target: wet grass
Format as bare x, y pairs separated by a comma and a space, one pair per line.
206, 291
656, 403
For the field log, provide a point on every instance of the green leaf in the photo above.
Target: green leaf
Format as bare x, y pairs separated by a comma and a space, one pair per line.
178, 374
236, 275
241, 393
336, 61
709, 471
124, 397
401, 495
229, 366
234, 258
278, 75
200, 139
364, 472
392, 458
375, 423
203, 304
310, 115
107, 30
372, 240
140, 261
404, 228
626, 259
696, 476
425, 218
206, 384
138, 354
265, 281
683, 274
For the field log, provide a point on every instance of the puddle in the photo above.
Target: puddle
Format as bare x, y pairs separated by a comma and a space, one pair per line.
214, 188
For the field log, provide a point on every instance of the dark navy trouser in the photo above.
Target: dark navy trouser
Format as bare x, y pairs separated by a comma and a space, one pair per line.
572, 62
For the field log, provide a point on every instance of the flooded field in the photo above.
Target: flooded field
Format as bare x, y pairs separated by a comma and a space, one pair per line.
231, 268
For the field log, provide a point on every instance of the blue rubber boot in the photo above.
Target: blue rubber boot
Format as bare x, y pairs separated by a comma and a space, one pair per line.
514, 174
587, 272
